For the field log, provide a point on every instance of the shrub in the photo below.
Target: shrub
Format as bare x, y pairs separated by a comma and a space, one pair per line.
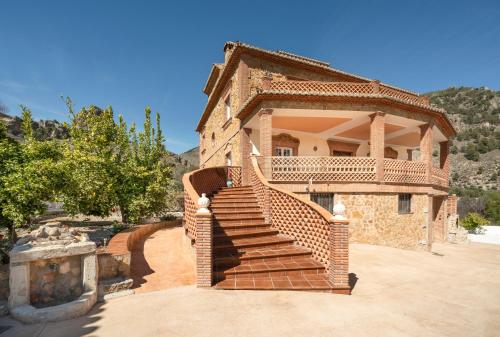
473, 222
492, 207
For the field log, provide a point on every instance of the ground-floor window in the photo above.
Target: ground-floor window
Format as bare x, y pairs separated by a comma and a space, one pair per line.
404, 203
325, 200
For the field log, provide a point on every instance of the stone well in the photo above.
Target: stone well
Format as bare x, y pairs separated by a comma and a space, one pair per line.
53, 275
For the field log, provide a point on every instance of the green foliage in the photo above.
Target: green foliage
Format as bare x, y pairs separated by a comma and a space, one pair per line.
473, 222
471, 152
29, 175
492, 208
110, 165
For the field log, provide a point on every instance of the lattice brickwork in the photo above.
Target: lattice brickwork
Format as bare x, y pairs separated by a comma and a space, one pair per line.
294, 217
403, 96
303, 168
323, 87
404, 171
439, 177
235, 173
207, 181
350, 88
189, 220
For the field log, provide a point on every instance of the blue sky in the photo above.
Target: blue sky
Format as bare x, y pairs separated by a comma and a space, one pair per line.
129, 54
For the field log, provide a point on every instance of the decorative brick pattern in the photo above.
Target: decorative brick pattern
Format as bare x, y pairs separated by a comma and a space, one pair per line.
403, 171
295, 217
347, 88
207, 181
303, 168
204, 250
439, 177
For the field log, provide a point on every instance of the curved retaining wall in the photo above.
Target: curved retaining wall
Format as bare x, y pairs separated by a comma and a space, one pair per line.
114, 260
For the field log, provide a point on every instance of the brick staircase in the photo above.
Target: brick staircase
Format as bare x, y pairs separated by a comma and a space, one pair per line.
249, 254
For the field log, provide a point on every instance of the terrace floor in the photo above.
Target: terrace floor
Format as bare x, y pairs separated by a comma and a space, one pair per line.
453, 292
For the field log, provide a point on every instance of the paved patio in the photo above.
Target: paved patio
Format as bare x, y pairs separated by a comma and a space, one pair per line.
454, 292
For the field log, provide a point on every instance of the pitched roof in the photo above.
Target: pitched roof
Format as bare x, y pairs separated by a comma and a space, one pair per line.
215, 84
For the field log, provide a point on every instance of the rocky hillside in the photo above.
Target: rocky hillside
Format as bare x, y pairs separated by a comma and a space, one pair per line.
475, 113
43, 129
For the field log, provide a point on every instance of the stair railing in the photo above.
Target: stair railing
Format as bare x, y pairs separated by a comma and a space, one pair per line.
311, 226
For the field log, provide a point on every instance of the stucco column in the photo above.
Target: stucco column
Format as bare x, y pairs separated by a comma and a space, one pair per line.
266, 141
204, 246
377, 143
246, 152
426, 148
444, 158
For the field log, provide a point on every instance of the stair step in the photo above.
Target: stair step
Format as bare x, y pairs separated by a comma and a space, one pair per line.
241, 204
235, 189
233, 200
239, 217
238, 225
251, 268
246, 244
231, 234
241, 211
299, 283
283, 253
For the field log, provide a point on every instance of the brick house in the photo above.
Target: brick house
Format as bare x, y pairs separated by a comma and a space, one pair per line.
296, 136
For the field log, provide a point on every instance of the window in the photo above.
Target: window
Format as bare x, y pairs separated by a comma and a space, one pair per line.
283, 151
213, 138
227, 103
342, 154
404, 203
229, 161
325, 200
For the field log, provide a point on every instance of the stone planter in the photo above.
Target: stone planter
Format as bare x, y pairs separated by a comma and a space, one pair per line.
52, 276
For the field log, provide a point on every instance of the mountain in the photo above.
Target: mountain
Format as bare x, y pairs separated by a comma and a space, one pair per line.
43, 129
475, 152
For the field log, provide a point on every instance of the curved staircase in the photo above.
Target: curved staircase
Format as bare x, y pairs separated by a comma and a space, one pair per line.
249, 254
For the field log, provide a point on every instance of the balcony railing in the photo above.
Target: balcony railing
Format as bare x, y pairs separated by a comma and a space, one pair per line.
352, 169
371, 88
359, 169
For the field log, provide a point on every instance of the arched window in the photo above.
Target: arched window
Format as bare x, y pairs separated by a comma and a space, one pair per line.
213, 138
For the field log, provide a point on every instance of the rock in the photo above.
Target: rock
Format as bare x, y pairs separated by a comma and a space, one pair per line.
53, 231
41, 232
53, 224
84, 237
64, 267
24, 240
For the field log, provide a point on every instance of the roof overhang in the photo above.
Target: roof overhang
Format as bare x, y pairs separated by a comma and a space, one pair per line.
438, 115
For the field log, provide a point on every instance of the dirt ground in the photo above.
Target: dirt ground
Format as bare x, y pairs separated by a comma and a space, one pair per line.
454, 291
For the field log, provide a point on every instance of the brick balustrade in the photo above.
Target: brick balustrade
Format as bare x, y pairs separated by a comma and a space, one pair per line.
309, 224
207, 181
199, 226
362, 89
353, 169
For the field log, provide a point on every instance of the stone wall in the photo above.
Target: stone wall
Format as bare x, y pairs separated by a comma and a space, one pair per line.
374, 219
4, 282
55, 281
113, 265
225, 132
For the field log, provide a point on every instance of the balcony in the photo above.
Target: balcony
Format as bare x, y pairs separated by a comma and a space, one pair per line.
352, 170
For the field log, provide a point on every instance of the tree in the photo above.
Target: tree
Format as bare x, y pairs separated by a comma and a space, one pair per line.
30, 176
109, 165
492, 207
473, 222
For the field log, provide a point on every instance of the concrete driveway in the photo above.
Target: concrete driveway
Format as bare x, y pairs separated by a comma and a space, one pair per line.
453, 292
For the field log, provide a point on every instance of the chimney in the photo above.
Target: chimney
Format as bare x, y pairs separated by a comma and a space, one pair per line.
228, 50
